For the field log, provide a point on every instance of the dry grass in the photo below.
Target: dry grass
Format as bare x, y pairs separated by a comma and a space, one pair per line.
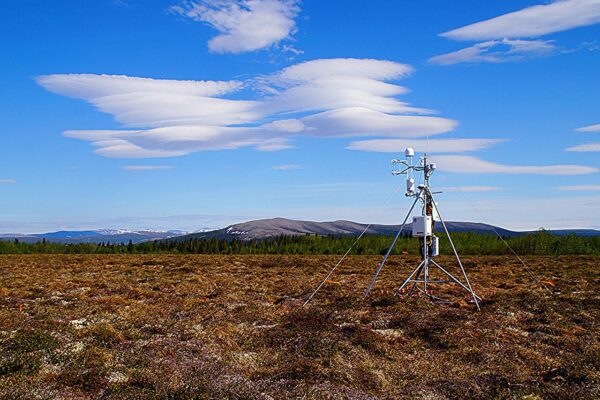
183, 327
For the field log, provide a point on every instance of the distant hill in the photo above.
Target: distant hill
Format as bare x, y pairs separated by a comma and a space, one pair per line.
97, 236
578, 232
263, 229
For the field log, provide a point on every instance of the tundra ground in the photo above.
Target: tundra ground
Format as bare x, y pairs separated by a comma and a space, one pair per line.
183, 327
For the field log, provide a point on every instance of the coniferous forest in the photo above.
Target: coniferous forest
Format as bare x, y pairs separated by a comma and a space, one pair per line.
539, 243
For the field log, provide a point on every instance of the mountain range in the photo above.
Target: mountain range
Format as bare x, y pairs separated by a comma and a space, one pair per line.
263, 229
95, 236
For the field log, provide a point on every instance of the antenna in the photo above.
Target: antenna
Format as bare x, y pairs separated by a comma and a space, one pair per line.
429, 271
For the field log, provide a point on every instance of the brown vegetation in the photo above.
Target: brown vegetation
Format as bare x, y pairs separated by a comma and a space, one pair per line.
183, 327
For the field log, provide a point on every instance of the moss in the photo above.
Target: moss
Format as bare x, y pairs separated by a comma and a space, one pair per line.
19, 363
24, 352
28, 340
103, 334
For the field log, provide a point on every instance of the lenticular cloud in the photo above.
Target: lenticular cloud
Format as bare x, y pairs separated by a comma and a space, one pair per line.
325, 98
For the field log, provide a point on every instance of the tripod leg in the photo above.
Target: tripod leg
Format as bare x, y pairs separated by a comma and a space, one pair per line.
455, 252
415, 284
416, 270
391, 247
453, 278
426, 276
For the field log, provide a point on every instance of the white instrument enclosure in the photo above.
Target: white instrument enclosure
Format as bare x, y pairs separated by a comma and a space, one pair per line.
421, 226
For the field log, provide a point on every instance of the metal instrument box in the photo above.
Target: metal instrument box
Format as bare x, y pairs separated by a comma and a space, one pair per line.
421, 226
435, 246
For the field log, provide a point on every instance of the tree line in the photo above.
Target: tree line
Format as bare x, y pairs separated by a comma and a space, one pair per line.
539, 243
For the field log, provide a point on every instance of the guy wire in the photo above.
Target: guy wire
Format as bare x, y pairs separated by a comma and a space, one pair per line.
352, 246
537, 279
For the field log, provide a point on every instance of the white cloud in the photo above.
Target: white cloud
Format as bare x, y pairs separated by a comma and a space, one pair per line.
146, 167
144, 102
7, 181
474, 165
285, 167
505, 38
498, 51
532, 21
286, 125
322, 98
327, 84
90, 86
335, 67
431, 146
360, 121
579, 188
243, 25
589, 128
275, 144
330, 98
588, 147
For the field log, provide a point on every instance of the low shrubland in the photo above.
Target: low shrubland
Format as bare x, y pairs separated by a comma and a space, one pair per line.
219, 327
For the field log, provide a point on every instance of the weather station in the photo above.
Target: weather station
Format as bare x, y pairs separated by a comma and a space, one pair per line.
429, 271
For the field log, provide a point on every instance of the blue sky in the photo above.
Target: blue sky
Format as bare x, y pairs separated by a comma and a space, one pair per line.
257, 109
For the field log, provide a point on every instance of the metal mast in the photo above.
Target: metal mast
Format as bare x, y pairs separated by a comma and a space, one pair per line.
423, 228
